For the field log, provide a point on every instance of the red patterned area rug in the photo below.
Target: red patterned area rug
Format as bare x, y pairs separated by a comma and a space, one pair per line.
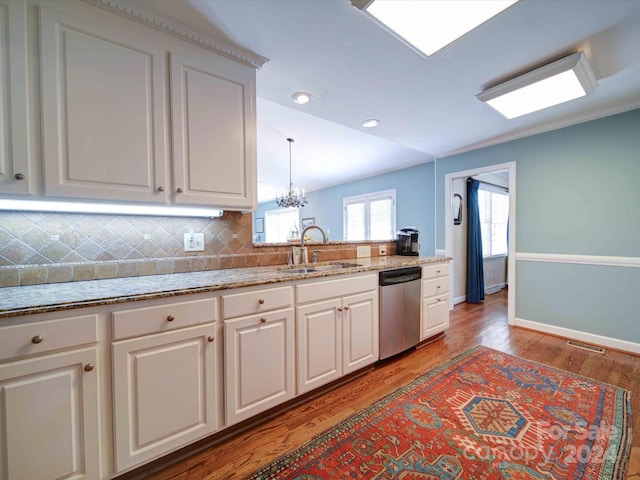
484, 415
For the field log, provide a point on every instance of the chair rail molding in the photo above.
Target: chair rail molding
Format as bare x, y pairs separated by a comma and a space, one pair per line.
601, 260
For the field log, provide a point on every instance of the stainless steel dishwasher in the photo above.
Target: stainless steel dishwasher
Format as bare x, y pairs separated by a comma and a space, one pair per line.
399, 310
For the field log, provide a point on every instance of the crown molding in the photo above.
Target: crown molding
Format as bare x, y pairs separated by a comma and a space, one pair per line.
543, 129
171, 26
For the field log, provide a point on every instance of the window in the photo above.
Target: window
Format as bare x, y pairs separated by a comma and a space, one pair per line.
371, 216
280, 223
494, 216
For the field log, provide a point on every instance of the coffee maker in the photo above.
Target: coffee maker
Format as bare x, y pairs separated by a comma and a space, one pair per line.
407, 241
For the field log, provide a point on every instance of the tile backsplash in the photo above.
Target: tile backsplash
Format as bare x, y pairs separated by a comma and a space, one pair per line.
38, 248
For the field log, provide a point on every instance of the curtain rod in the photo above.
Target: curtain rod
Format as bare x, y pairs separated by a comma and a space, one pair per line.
488, 183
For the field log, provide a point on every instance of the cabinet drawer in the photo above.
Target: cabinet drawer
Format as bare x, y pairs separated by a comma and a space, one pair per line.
42, 337
162, 318
314, 291
435, 286
435, 271
248, 303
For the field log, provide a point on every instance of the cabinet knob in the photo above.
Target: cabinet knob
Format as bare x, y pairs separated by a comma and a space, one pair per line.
346, 308
37, 339
263, 320
438, 272
210, 338
88, 367
179, 190
261, 301
19, 176
339, 309
170, 318
160, 188
438, 287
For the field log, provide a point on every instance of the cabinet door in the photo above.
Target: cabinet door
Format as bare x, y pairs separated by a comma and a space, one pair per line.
14, 153
259, 363
319, 341
435, 316
360, 329
49, 417
103, 114
214, 138
164, 391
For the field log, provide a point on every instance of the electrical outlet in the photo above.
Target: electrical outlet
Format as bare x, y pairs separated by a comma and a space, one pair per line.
364, 251
382, 250
193, 242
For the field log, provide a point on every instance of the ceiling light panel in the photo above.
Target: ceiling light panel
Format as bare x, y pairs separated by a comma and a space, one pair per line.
558, 82
429, 25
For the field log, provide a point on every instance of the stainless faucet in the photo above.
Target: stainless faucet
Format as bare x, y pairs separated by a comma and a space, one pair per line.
325, 239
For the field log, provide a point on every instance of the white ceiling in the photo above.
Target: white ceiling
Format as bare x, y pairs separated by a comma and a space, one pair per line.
356, 70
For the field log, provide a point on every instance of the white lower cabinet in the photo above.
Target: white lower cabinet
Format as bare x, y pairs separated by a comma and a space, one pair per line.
164, 392
259, 363
435, 300
335, 336
49, 417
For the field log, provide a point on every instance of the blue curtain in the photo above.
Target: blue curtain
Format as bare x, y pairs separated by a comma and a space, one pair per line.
475, 268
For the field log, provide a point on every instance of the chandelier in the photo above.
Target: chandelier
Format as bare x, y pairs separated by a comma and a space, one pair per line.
293, 199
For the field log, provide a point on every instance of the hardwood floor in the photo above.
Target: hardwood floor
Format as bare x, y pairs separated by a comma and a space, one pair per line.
484, 323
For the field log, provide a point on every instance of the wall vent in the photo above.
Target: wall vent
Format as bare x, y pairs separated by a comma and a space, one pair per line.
586, 346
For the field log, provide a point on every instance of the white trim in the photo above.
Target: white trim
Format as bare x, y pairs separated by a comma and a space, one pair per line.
549, 127
136, 13
592, 338
490, 290
441, 252
600, 260
458, 300
448, 228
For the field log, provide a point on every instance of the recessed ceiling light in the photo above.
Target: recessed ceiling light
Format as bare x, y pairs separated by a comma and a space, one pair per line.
429, 25
302, 98
370, 123
558, 82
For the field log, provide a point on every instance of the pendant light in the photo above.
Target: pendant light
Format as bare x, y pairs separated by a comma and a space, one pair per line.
293, 199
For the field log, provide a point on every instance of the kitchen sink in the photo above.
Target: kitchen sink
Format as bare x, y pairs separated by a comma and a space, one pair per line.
319, 268
335, 266
298, 270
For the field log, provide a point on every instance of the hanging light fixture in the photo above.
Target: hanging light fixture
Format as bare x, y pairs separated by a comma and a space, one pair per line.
293, 199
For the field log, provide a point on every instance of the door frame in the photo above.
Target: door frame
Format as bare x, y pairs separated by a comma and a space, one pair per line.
448, 230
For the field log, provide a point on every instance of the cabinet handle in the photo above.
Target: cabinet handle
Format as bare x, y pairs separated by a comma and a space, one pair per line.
210, 338
170, 318
263, 320
438, 287
160, 188
438, 272
19, 176
346, 308
37, 339
88, 367
339, 309
179, 190
261, 301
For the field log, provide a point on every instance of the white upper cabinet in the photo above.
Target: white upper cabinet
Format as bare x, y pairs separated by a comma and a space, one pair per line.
14, 153
103, 109
131, 113
213, 127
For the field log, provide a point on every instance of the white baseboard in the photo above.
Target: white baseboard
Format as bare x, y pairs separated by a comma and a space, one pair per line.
586, 337
458, 300
494, 288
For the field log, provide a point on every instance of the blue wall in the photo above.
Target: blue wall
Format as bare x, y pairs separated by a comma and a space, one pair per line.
415, 202
577, 192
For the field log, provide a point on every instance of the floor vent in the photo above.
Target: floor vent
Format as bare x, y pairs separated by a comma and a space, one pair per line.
586, 346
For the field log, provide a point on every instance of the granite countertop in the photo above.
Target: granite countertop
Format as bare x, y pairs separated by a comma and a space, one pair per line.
26, 300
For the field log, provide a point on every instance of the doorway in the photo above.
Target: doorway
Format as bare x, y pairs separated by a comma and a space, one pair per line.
510, 169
